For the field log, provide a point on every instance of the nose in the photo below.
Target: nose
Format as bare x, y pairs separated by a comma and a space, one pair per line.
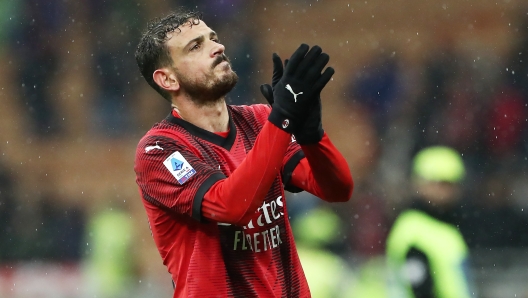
218, 49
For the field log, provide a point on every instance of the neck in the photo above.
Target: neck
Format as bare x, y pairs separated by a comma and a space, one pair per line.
212, 117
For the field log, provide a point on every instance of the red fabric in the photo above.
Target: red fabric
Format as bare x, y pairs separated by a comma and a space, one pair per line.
211, 258
223, 134
324, 172
506, 121
223, 203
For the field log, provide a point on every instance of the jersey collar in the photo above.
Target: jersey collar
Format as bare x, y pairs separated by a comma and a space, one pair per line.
208, 136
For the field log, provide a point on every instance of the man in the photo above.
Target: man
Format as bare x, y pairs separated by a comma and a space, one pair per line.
212, 176
426, 252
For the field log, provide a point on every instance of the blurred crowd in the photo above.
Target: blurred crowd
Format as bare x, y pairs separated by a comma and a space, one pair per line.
451, 97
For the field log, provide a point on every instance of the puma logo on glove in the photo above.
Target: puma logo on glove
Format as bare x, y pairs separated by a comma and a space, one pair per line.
303, 71
289, 88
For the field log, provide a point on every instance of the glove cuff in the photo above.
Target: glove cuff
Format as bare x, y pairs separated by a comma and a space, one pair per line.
283, 120
309, 138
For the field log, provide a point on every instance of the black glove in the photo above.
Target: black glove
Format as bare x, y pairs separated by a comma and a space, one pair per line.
311, 131
298, 87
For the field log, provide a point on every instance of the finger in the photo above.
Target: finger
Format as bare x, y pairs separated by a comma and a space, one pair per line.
296, 58
309, 59
317, 67
267, 91
277, 70
323, 80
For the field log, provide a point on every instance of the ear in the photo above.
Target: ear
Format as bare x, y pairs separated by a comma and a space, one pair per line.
166, 79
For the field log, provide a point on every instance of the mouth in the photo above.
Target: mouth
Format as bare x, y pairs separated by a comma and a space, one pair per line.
219, 60
224, 65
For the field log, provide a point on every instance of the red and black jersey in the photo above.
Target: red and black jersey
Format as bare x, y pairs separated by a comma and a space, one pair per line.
176, 164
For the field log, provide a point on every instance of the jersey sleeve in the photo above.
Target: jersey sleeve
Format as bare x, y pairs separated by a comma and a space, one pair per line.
324, 172
172, 176
292, 159
235, 199
294, 153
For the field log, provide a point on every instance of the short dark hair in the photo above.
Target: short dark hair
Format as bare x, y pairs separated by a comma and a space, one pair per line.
152, 51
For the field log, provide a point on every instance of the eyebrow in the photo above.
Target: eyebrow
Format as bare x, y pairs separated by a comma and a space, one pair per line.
200, 38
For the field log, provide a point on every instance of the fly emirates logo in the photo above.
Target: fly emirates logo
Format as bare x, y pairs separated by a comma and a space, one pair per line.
266, 239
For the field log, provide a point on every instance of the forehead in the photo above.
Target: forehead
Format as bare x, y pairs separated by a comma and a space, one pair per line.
180, 38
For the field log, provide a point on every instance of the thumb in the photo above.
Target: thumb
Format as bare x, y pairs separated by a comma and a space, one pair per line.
267, 91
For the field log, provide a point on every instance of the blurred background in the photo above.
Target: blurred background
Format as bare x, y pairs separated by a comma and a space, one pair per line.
409, 74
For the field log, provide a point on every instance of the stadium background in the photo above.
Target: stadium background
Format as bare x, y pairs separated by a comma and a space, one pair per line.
408, 74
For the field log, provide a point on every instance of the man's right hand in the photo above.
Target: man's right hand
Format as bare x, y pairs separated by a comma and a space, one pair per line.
299, 87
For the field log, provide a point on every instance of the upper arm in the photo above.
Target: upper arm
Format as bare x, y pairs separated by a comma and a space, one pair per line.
174, 177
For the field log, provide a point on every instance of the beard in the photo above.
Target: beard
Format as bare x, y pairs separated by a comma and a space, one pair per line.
213, 88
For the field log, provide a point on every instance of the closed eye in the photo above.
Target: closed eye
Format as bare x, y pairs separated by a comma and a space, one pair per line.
195, 47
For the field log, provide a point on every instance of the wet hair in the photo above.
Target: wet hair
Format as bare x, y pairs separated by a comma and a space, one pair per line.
152, 52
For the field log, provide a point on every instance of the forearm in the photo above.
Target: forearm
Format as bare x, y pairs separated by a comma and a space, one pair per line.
234, 199
325, 172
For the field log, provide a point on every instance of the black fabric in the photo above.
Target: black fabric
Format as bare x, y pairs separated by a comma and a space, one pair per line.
298, 87
198, 198
451, 214
226, 143
287, 172
312, 131
423, 287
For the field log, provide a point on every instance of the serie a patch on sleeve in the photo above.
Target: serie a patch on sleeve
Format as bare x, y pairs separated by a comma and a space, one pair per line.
179, 167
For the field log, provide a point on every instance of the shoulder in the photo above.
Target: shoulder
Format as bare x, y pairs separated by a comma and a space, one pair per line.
161, 137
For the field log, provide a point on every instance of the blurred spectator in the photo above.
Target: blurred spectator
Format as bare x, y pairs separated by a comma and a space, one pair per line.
368, 223
516, 66
493, 220
43, 229
36, 45
440, 73
371, 279
327, 273
109, 262
10, 11
505, 123
459, 122
116, 28
7, 212
377, 88
426, 253
506, 126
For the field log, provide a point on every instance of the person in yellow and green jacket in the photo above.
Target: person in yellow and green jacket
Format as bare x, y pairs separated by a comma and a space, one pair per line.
426, 253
